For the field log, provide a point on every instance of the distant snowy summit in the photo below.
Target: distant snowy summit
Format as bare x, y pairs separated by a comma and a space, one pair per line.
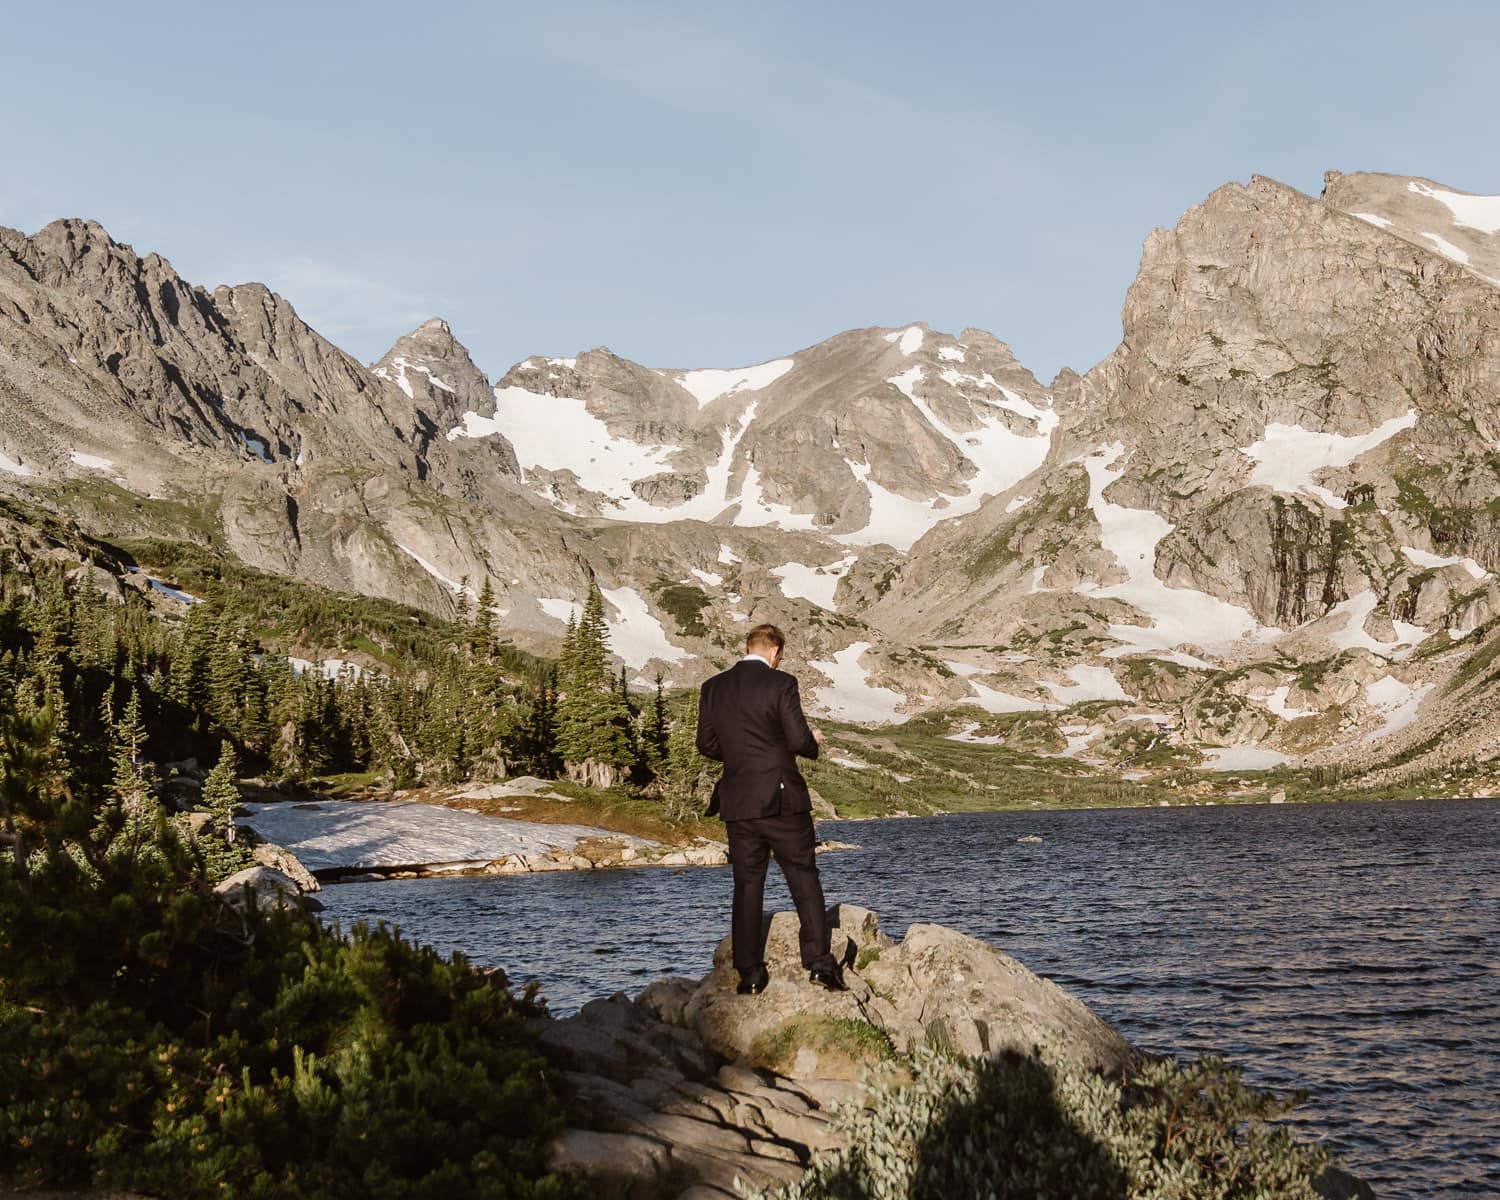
872, 437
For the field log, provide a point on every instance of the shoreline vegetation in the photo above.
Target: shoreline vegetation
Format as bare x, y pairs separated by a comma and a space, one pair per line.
341, 696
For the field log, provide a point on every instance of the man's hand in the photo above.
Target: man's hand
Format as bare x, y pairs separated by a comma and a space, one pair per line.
817, 735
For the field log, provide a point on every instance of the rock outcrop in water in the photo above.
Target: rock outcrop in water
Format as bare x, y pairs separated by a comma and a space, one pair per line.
693, 1082
693, 1091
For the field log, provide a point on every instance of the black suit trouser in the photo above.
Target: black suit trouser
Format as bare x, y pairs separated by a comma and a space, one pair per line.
790, 837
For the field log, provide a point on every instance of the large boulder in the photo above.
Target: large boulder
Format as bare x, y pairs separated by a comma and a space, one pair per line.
264, 889
279, 858
936, 986
944, 987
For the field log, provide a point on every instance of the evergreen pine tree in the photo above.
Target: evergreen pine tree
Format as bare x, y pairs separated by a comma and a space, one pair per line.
593, 721
221, 795
657, 727
461, 599
689, 775
191, 663
532, 743
484, 638
223, 851
567, 658
130, 827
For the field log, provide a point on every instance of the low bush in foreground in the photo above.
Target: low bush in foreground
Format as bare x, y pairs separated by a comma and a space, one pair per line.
154, 1038
1032, 1127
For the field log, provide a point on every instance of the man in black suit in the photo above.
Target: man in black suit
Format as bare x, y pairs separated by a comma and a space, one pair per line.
750, 719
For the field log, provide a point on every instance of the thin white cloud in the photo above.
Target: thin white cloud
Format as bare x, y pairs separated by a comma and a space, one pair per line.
336, 301
700, 70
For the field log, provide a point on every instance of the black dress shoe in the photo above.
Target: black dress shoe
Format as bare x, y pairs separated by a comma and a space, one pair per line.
753, 983
828, 977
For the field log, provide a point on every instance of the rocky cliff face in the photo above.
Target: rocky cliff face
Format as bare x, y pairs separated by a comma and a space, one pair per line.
1291, 459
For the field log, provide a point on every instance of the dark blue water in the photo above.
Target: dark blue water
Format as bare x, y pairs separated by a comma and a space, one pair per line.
1352, 950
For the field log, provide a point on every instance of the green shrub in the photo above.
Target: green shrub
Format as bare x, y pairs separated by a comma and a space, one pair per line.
1031, 1127
153, 1038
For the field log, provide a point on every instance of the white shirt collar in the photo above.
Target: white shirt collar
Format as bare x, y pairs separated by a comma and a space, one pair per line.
758, 658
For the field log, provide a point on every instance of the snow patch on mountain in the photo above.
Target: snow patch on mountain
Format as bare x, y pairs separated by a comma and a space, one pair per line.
558, 433
1396, 701
12, 467
990, 699
707, 504
970, 734
1352, 635
1474, 212
1089, 683
755, 509
727, 556
1178, 615
709, 384
815, 583
559, 609
90, 462
1242, 758
1001, 459
895, 520
1373, 219
909, 339
1287, 456
709, 577
635, 635
950, 354
851, 696
403, 365
1447, 249
329, 668
1276, 702
1423, 558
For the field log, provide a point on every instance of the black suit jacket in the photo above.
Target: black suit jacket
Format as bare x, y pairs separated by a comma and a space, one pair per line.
750, 719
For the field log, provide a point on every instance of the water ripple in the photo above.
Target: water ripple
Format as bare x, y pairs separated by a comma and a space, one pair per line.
1347, 950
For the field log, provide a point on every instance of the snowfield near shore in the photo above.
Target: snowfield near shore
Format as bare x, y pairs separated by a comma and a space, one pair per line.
353, 834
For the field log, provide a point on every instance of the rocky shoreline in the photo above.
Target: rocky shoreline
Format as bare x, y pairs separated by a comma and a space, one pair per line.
694, 1091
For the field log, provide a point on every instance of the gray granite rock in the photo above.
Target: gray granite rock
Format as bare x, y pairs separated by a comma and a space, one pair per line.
265, 889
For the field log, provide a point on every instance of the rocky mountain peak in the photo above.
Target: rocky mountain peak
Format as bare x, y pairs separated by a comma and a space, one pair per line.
434, 370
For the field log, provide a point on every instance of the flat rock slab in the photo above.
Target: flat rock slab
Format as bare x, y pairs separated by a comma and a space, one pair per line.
328, 835
524, 785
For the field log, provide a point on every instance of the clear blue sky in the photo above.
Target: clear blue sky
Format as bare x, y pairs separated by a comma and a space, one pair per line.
704, 184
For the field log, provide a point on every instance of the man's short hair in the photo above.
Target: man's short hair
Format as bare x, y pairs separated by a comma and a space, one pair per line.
764, 637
